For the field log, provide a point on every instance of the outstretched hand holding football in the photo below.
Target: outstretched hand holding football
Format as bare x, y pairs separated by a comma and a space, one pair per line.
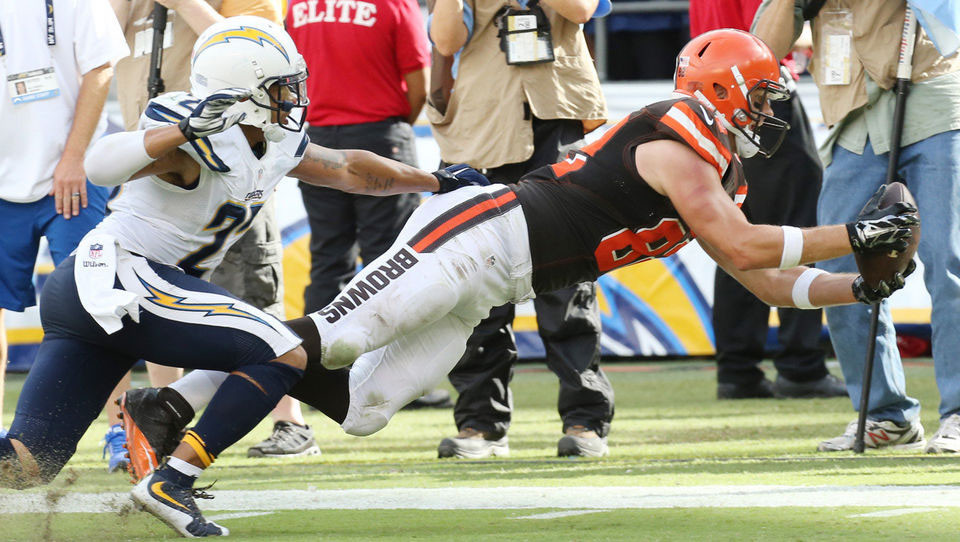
885, 239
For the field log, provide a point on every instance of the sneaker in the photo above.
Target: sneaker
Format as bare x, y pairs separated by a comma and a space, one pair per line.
878, 434
432, 399
154, 426
828, 386
287, 440
582, 442
175, 506
472, 444
947, 438
115, 444
762, 389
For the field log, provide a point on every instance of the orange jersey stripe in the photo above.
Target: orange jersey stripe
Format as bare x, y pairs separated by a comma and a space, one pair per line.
704, 130
692, 142
464, 216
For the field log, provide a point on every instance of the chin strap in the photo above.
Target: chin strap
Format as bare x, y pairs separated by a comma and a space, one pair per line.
746, 148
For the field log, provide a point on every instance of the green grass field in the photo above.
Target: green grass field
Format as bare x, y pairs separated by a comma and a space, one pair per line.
669, 435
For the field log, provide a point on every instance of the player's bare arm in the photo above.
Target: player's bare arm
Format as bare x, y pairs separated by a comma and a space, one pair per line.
361, 172
694, 189
775, 287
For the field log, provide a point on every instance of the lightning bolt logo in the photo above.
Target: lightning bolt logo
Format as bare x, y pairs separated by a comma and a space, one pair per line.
177, 303
243, 33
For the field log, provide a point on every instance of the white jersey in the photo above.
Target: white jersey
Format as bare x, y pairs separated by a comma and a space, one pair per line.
194, 227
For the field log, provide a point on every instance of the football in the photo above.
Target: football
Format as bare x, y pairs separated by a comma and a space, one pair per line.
878, 266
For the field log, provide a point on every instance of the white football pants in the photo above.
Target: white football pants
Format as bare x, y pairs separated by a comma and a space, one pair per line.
404, 320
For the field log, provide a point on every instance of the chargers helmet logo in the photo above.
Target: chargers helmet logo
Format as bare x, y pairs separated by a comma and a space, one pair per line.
242, 33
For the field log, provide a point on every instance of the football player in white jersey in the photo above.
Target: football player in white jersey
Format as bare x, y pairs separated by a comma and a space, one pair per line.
191, 178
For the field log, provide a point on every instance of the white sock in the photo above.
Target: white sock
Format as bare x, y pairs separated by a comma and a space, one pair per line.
183, 467
198, 387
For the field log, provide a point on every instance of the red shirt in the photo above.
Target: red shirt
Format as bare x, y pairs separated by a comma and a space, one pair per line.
706, 15
357, 52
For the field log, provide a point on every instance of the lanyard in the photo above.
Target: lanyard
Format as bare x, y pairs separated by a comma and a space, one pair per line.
51, 30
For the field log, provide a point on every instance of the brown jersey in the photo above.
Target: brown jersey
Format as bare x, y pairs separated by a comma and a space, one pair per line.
593, 212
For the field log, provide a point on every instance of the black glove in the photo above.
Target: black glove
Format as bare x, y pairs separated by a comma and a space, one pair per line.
207, 117
888, 232
458, 176
865, 294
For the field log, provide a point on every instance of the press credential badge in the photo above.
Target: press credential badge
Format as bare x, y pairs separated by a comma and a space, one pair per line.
33, 85
836, 47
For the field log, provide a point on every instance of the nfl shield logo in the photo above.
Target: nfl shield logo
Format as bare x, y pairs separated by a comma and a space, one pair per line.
96, 250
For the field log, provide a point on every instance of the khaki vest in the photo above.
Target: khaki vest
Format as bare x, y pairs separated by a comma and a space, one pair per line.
877, 25
483, 122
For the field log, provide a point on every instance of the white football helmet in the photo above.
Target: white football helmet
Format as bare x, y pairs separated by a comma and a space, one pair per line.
254, 53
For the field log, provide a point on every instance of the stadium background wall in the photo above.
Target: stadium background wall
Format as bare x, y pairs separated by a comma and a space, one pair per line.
659, 308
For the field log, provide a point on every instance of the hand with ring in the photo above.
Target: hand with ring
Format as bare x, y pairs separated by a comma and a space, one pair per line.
69, 186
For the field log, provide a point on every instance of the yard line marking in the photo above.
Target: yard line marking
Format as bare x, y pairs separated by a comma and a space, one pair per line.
509, 498
235, 515
893, 513
555, 515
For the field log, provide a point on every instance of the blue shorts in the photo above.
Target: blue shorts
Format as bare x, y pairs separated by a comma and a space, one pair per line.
30, 222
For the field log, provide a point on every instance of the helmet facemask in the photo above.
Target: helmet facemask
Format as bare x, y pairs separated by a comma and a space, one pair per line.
279, 103
755, 130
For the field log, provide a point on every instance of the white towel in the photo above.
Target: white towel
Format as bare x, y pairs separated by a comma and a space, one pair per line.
95, 272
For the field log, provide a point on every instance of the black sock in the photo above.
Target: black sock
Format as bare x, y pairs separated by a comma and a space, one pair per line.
325, 390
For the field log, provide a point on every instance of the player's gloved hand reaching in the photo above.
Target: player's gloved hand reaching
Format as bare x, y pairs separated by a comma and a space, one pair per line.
208, 117
867, 295
882, 229
458, 176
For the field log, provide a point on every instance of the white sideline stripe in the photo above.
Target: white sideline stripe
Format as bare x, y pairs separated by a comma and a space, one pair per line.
555, 515
893, 513
506, 498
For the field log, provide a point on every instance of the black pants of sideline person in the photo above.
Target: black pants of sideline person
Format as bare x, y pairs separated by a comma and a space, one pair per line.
344, 225
782, 190
568, 321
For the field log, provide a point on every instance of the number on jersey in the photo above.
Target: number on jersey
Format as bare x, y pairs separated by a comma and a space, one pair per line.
625, 247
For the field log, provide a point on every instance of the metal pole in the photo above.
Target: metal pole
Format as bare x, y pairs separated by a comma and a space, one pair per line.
904, 69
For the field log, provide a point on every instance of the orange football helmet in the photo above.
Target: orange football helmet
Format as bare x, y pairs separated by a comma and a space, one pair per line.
737, 74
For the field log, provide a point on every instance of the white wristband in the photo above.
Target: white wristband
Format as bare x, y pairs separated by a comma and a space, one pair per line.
801, 288
792, 247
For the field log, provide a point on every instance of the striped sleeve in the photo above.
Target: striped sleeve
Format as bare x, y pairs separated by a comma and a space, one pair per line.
693, 129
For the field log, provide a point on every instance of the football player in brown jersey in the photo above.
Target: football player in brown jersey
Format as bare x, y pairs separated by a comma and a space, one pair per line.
665, 175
